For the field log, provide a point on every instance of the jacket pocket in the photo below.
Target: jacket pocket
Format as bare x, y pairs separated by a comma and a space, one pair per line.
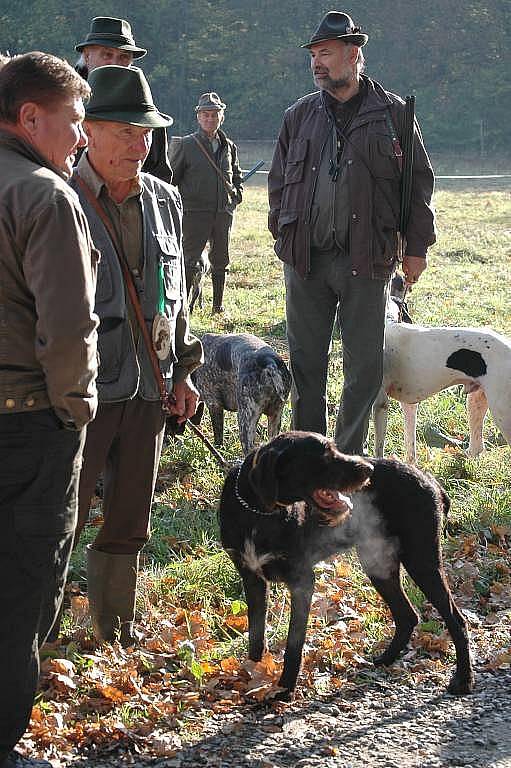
295, 161
110, 354
105, 283
171, 261
384, 162
385, 245
283, 245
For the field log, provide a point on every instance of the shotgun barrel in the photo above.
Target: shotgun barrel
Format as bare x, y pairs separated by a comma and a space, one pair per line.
253, 170
407, 173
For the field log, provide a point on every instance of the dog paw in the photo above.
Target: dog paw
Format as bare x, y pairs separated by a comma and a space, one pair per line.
283, 695
384, 659
461, 686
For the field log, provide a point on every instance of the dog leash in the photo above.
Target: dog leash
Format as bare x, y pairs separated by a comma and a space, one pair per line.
226, 466
402, 305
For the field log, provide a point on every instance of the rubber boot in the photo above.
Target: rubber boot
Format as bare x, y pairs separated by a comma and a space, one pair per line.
218, 279
112, 592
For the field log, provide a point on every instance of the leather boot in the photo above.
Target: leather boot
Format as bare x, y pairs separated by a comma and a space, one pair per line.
112, 592
218, 279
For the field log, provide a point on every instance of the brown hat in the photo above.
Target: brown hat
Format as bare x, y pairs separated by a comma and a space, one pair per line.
337, 26
112, 33
210, 100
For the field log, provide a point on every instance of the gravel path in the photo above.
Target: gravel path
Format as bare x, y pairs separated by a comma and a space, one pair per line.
384, 723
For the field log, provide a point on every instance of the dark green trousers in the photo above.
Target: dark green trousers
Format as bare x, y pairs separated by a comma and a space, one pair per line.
312, 306
201, 227
39, 473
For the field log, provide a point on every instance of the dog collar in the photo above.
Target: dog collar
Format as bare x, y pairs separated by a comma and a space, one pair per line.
244, 503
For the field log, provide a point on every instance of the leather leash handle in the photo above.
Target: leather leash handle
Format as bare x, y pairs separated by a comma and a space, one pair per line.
230, 189
166, 398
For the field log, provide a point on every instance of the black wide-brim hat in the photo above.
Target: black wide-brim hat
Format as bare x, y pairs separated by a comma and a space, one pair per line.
112, 33
122, 95
337, 26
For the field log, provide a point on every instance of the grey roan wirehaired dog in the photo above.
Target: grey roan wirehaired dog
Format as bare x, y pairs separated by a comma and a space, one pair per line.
285, 509
244, 374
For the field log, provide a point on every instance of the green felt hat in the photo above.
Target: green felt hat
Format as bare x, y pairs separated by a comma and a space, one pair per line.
112, 33
122, 95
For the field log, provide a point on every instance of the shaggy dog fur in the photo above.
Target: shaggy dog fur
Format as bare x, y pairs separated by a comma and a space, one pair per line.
275, 528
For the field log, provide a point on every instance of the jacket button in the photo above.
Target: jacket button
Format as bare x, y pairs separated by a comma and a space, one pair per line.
354, 217
29, 402
354, 272
350, 162
10, 403
313, 167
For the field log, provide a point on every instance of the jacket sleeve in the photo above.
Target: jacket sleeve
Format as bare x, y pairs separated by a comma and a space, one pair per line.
276, 178
236, 174
60, 270
188, 348
421, 231
157, 161
177, 160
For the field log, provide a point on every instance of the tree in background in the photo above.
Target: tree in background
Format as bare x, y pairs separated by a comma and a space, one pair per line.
454, 55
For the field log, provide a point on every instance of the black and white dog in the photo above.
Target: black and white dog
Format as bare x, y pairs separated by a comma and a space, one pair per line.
284, 509
242, 373
420, 361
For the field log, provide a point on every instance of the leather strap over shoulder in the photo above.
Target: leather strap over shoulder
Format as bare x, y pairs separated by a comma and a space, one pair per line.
165, 397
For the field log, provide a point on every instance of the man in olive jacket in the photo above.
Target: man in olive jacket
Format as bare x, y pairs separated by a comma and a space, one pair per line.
334, 193
142, 215
47, 365
207, 171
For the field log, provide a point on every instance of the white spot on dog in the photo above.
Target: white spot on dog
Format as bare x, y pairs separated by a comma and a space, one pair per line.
253, 561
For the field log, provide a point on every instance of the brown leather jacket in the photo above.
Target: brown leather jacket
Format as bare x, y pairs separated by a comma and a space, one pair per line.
47, 283
373, 179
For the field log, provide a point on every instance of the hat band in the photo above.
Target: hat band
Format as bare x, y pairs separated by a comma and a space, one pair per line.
112, 36
142, 107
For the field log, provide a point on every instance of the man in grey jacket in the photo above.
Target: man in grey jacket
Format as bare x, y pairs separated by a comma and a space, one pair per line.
47, 365
334, 191
207, 171
143, 216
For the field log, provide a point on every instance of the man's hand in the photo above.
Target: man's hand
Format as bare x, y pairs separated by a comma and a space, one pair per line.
413, 267
186, 398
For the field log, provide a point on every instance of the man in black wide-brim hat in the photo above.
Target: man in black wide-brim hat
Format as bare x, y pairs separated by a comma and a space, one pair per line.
111, 41
334, 191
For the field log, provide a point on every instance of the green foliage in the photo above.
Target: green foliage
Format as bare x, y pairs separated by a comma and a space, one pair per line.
434, 50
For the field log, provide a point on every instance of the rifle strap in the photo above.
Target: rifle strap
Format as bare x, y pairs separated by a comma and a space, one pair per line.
166, 398
398, 152
228, 187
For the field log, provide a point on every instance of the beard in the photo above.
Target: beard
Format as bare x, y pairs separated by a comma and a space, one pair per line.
327, 83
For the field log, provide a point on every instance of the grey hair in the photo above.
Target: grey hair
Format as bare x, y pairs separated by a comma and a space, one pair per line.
361, 62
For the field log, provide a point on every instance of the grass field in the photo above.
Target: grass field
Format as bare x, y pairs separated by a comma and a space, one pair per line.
191, 609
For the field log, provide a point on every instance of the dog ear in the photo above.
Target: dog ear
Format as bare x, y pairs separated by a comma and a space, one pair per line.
263, 476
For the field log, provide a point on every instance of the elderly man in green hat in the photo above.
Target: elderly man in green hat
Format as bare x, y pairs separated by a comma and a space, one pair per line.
334, 213
144, 339
207, 171
111, 41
